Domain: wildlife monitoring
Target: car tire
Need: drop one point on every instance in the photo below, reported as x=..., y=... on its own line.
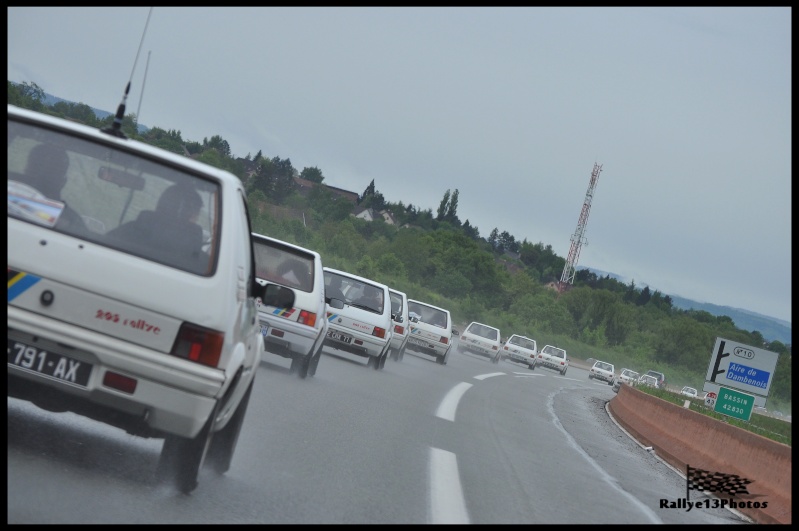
x=590, y=376
x=610, y=382
x=300, y=365
x=563, y=372
x=531, y=366
x=223, y=443
x=182, y=457
x=315, y=360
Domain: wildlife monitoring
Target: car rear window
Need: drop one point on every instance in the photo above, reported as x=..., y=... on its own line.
x=483, y=331
x=523, y=342
x=428, y=314
x=354, y=292
x=554, y=351
x=113, y=198
x=284, y=265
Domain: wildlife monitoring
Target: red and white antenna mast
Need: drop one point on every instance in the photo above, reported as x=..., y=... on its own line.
x=578, y=238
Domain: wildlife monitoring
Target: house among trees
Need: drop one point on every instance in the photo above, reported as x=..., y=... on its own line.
x=366, y=214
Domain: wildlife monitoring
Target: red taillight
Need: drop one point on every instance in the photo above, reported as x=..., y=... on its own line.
x=495, y=347
x=379, y=332
x=307, y=318
x=444, y=339
x=198, y=344
x=399, y=329
x=505, y=347
x=119, y=382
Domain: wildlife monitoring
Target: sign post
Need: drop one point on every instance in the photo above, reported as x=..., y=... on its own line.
x=734, y=404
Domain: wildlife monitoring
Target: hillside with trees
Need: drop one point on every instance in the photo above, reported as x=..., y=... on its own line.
x=434, y=256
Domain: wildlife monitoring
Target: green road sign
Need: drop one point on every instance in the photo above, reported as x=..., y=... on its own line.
x=734, y=404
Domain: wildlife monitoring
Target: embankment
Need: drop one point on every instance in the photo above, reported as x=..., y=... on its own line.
x=683, y=437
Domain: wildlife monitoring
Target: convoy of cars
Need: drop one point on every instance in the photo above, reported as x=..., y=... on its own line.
x=132, y=297
x=553, y=358
x=521, y=350
x=481, y=339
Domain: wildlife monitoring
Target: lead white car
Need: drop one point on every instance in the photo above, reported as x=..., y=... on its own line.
x=151, y=328
x=358, y=315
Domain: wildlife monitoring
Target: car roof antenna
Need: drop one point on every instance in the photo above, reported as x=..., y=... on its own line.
x=115, y=129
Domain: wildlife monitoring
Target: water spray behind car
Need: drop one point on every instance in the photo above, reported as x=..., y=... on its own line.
x=115, y=129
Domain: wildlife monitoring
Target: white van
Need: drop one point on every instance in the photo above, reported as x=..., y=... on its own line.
x=481, y=339
x=294, y=331
x=430, y=330
x=399, y=314
x=131, y=289
x=358, y=316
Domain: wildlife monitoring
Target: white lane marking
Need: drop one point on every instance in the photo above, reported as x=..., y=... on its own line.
x=446, y=495
x=526, y=374
x=610, y=480
x=489, y=375
x=446, y=410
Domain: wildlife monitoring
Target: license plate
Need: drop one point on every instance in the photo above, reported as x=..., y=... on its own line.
x=417, y=341
x=338, y=336
x=50, y=364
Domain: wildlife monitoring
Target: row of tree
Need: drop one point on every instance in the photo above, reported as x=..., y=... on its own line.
x=436, y=258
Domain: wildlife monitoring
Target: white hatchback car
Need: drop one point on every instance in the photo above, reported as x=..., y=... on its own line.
x=520, y=349
x=602, y=370
x=553, y=358
x=131, y=289
x=430, y=330
x=690, y=392
x=292, y=318
x=399, y=315
x=628, y=376
x=362, y=325
x=481, y=339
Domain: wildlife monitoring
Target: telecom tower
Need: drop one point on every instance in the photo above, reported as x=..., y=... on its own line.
x=578, y=238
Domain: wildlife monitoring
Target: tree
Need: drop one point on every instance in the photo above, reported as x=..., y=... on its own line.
x=442, y=207
x=312, y=174
x=452, y=209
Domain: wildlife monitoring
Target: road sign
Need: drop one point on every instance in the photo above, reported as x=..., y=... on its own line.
x=743, y=367
x=710, y=399
x=734, y=404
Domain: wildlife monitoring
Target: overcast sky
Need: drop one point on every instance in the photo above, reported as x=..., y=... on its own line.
x=687, y=110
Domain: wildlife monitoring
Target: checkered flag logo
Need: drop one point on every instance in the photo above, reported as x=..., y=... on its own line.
x=705, y=481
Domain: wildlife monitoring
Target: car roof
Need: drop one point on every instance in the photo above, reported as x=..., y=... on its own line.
x=428, y=304
x=356, y=277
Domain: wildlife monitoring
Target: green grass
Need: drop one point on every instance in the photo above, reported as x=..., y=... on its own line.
x=771, y=428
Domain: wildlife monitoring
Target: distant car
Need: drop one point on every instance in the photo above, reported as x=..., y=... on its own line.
x=298, y=331
x=481, y=339
x=602, y=370
x=521, y=350
x=659, y=376
x=553, y=358
x=648, y=381
x=628, y=376
x=399, y=316
x=358, y=316
x=429, y=330
x=689, y=392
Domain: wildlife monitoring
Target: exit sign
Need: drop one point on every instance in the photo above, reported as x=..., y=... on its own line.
x=734, y=404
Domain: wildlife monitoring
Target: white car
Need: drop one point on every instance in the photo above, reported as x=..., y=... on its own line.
x=602, y=370
x=481, y=339
x=358, y=316
x=119, y=308
x=554, y=358
x=521, y=350
x=648, y=381
x=430, y=330
x=628, y=376
x=399, y=315
x=689, y=392
x=292, y=314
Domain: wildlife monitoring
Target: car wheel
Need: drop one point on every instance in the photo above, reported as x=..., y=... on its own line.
x=223, y=443
x=384, y=359
x=531, y=366
x=590, y=376
x=300, y=364
x=563, y=372
x=315, y=361
x=182, y=457
x=610, y=382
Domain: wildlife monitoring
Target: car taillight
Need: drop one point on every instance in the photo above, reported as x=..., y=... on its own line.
x=505, y=347
x=399, y=329
x=444, y=339
x=307, y=318
x=198, y=344
x=379, y=332
x=495, y=347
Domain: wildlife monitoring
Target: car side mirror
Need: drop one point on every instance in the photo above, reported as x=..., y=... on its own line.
x=455, y=332
x=413, y=319
x=278, y=296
